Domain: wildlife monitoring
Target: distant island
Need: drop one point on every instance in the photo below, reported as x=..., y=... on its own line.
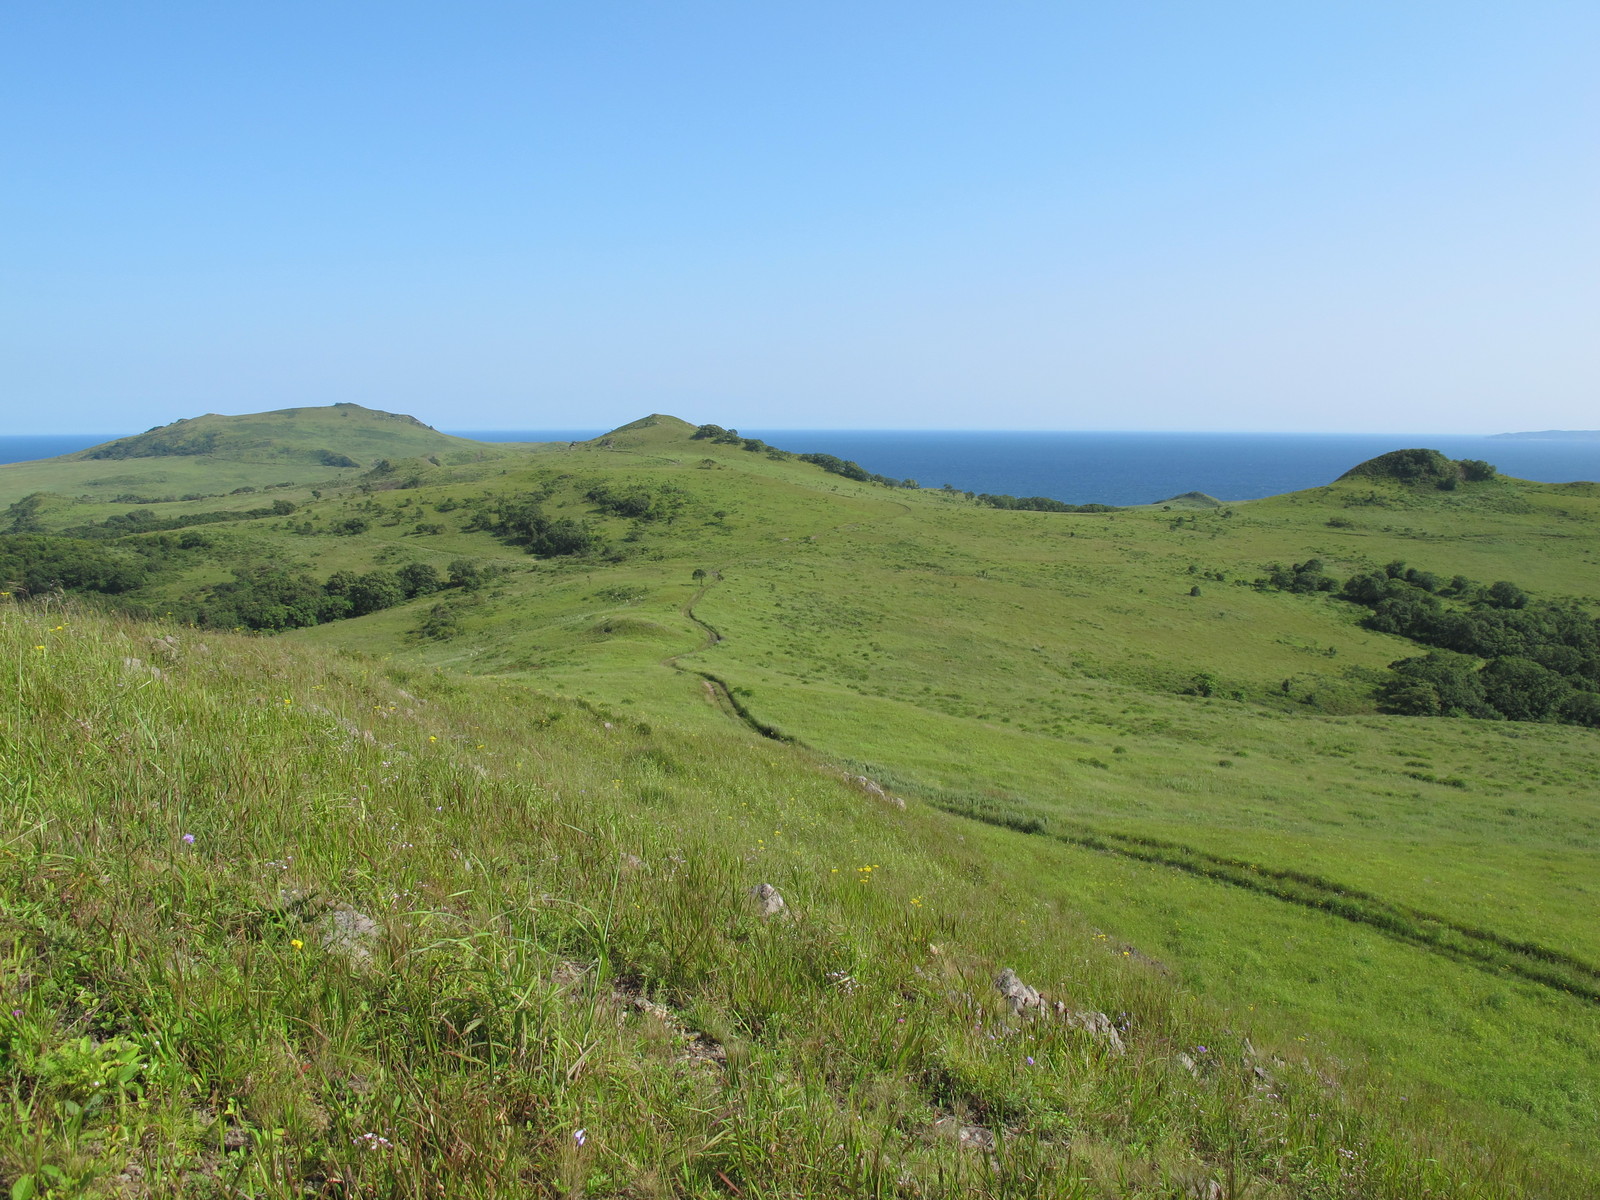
x=1554, y=435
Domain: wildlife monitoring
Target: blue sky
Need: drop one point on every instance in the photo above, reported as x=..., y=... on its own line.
x=1225, y=216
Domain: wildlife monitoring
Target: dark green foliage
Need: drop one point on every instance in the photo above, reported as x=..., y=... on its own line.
x=33, y=564
x=466, y=575
x=419, y=579
x=522, y=522
x=1543, y=658
x=1522, y=690
x=24, y=514
x=717, y=434
x=1502, y=594
x=374, y=591
x=1422, y=468
x=638, y=503
x=835, y=465
x=1040, y=504
x=439, y=625
x=141, y=521
x=161, y=442
x=1301, y=577
x=1439, y=684
x=271, y=599
x=267, y=598
x=331, y=458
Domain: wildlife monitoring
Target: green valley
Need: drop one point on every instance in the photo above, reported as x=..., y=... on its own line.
x=552, y=710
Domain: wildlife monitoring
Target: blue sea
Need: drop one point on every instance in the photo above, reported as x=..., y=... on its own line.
x=1083, y=468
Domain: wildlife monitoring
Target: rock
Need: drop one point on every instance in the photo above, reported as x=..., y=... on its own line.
x=876, y=790
x=1023, y=998
x=768, y=899
x=1019, y=995
x=351, y=933
x=1096, y=1023
x=968, y=1137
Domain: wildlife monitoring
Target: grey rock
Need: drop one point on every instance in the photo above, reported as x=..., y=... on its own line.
x=351, y=933
x=1019, y=995
x=968, y=1137
x=768, y=899
x=1096, y=1023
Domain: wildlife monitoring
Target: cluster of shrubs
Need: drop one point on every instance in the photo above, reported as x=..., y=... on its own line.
x=1496, y=653
x=271, y=598
x=521, y=521
x=662, y=503
x=717, y=435
x=38, y=564
x=835, y=465
x=1423, y=468
x=1039, y=504
x=120, y=524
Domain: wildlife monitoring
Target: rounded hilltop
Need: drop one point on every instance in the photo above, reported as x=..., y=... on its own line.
x=1421, y=468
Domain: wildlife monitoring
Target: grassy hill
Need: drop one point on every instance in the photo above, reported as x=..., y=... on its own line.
x=1115, y=744
x=211, y=456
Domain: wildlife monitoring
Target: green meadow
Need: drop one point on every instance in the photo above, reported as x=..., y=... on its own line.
x=1153, y=786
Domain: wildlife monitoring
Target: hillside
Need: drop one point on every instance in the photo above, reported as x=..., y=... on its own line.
x=431, y=936
x=212, y=456
x=1157, y=725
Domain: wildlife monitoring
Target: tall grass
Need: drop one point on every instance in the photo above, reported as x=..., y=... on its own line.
x=281, y=924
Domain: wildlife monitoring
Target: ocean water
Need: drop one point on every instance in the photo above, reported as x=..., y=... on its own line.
x=1083, y=468
x=48, y=445
x=1140, y=468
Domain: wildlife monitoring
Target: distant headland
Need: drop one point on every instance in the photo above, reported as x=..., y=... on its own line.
x=1554, y=435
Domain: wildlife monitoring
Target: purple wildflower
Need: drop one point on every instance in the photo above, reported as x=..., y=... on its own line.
x=188, y=839
x=580, y=1136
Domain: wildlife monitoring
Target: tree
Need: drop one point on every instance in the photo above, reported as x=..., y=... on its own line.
x=419, y=579
x=466, y=575
x=374, y=591
x=1504, y=594
x=1522, y=690
x=1436, y=684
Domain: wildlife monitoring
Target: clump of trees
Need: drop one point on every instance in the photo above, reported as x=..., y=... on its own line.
x=843, y=467
x=731, y=437
x=143, y=521
x=270, y=599
x=1040, y=504
x=521, y=521
x=1495, y=651
x=662, y=503
x=1423, y=468
x=33, y=564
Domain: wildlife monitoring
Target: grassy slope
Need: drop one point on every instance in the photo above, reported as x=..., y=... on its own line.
x=557, y=898
x=1029, y=662
x=258, y=450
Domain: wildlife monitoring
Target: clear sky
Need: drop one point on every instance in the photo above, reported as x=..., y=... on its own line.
x=1284, y=215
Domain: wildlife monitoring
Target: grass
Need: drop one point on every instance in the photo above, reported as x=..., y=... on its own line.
x=561, y=939
x=1411, y=897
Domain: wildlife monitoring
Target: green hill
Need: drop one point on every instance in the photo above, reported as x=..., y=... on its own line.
x=1173, y=732
x=214, y=455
